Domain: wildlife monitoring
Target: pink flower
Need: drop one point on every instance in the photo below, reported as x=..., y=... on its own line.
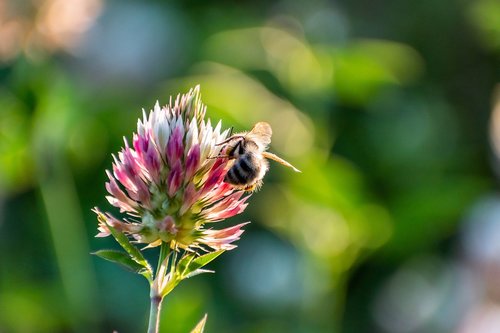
x=168, y=182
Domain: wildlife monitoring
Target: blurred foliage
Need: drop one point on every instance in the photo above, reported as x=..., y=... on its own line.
x=383, y=106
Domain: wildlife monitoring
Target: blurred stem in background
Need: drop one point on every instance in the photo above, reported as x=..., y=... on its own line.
x=61, y=203
x=71, y=249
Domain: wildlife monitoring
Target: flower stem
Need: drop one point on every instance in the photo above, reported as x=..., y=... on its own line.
x=157, y=295
x=154, y=314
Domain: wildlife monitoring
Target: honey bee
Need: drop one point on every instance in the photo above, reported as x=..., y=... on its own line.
x=248, y=149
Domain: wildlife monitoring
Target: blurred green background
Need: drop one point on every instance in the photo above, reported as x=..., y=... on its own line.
x=390, y=108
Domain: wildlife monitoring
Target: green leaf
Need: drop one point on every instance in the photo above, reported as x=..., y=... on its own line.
x=198, y=262
x=134, y=253
x=120, y=258
x=200, y=327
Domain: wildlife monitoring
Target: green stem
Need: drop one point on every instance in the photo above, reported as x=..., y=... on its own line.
x=154, y=314
x=155, y=294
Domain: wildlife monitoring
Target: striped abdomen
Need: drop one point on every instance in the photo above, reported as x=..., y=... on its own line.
x=247, y=169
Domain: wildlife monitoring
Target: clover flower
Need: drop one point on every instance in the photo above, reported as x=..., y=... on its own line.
x=170, y=184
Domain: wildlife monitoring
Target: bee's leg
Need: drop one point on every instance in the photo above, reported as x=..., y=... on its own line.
x=222, y=156
x=218, y=156
x=234, y=137
x=250, y=188
x=254, y=187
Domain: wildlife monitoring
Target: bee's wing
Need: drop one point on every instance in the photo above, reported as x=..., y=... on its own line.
x=271, y=156
x=262, y=133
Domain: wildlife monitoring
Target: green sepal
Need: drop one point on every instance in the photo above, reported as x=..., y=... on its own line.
x=164, y=253
x=198, y=272
x=170, y=286
x=188, y=266
x=200, y=327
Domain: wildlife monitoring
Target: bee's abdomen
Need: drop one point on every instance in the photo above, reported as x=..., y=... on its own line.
x=244, y=170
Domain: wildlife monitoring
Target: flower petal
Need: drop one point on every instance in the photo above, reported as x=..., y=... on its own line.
x=222, y=239
x=175, y=178
x=175, y=148
x=192, y=161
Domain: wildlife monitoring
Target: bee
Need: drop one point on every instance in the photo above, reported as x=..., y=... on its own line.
x=248, y=149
